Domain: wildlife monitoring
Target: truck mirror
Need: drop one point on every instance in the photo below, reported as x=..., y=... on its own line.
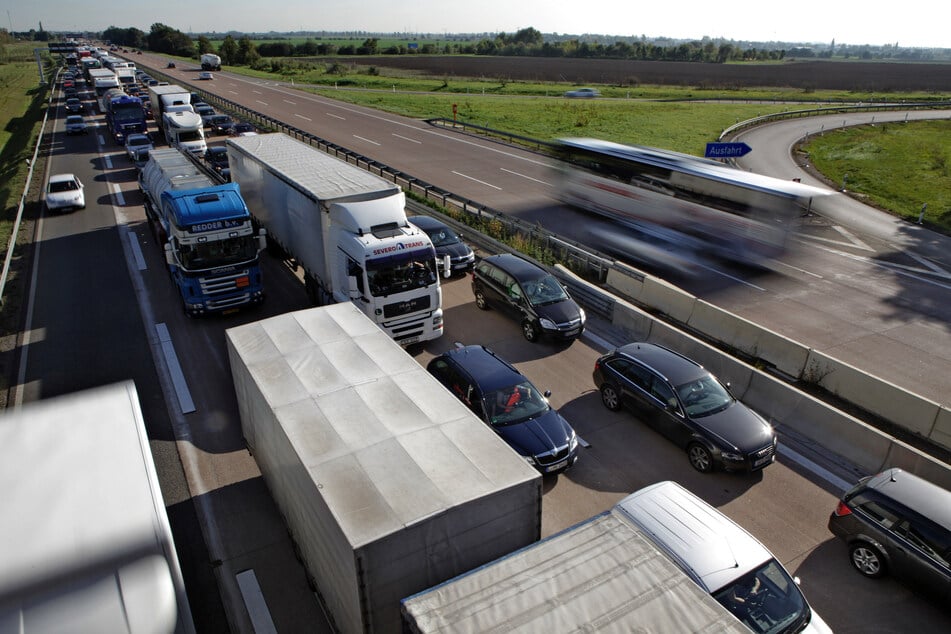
x=262, y=239
x=446, y=266
x=169, y=254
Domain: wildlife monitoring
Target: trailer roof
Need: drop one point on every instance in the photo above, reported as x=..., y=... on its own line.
x=386, y=444
x=317, y=174
x=601, y=575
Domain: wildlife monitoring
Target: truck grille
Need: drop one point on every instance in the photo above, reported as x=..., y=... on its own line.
x=406, y=307
x=229, y=283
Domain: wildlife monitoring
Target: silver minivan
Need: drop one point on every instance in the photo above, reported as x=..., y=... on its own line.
x=722, y=558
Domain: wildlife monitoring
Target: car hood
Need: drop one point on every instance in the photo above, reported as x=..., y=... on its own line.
x=537, y=435
x=454, y=250
x=738, y=426
x=559, y=312
x=61, y=198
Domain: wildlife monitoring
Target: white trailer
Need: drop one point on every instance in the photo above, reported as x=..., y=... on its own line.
x=210, y=61
x=602, y=575
x=347, y=228
x=388, y=483
x=85, y=543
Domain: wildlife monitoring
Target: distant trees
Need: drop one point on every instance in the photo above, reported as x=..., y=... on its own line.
x=131, y=37
x=165, y=39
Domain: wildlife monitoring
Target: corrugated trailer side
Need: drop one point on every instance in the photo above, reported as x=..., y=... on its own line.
x=387, y=482
x=601, y=576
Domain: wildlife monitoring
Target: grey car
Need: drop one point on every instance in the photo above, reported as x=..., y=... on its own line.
x=900, y=524
x=688, y=405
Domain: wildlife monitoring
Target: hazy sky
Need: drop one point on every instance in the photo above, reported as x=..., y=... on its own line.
x=910, y=23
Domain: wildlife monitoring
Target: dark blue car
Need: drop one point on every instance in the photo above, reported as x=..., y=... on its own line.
x=508, y=402
x=446, y=242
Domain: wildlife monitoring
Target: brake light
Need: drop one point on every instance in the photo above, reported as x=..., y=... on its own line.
x=842, y=509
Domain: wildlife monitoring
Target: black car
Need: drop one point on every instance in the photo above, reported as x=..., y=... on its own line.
x=687, y=404
x=447, y=242
x=217, y=159
x=896, y=523
x=221, y=124
x=241, y=127
x=74, y=105
x=508, y=402
x=529, y=294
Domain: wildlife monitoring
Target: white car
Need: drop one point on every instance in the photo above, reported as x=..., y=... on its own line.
x=583, y=93
x=75, y=124
x=64, y=191
x=205, y=75
x=135, y=143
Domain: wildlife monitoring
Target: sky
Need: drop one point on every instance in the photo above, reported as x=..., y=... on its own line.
x=912, y=23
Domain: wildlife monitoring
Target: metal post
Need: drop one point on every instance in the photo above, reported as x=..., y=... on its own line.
x=921, y=215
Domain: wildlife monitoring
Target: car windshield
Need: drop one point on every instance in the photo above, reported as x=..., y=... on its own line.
x=443, y=236
x=704, y=396
x=63, y=186
x=74, y=119
x=545, y=290
x=140, y=140
x=766, y=600
x=514, y=404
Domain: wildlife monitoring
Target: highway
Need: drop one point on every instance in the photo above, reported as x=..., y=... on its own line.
x=102, y=309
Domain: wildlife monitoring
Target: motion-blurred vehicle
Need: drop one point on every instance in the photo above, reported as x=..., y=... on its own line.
x=205, y=75
x=582, y=93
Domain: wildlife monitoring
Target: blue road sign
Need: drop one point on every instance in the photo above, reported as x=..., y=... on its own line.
x=727, y=150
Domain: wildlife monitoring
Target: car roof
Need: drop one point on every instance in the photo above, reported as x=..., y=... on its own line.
x=519, y=268
x=62, y=178
x=484, y=367
x=74, y=117
x=674, y=366
x=427, y=222
x=702, y=540
x=918, y=494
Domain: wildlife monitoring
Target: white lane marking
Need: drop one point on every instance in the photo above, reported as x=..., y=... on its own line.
x=257, y=92
x=254, y=600
x=335, y=116
x=852, y=238
x=477, y=180
x=233, y=92
x=120, y=199
x=106, y=158
x=356, y=136
x=898, y=269
x=406, y=138
x=185, y=401
x=796, y=268
x=303, y=117
x=293, y=103
x=928, y=264
x=137, y=254
x=731, y=277
x=525, y=176
x=263, y=103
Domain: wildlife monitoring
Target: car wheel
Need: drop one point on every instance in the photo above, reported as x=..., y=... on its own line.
x=867, y=559
x=480, y=301
x=530, y=330
x=700, y=458
x=610, y=397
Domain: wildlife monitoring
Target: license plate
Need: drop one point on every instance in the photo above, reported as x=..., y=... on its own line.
x=762, y=461
x=408, y=341
x=557, y=466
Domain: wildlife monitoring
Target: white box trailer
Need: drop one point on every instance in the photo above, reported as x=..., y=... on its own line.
x=602, y=575
x=85, y=543
x=387, y=482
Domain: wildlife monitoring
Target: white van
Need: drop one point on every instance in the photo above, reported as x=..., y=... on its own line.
x=722, y=558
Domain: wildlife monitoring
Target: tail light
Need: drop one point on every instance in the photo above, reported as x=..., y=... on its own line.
x=842, y=509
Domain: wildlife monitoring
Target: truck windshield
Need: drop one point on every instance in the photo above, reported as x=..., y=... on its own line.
x=766, y=600
x=209, y=255
x=387, y=276
x=128, y=115
x=190, y=135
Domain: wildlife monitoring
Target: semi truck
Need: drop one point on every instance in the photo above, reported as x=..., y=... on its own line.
x=102, y=80
x=388, y=483
x=210, y=61
x=602, y=575
x=85, y=545
x=347, y=229
x=125, y=75
x=211, y=248
x=180, y=126
x=125, y=115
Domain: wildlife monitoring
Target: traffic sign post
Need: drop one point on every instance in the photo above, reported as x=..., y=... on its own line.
x=727, y=150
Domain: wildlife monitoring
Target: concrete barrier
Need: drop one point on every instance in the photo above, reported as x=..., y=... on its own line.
x=667, y=298
x=895, y=404
x=941, y=432
x=741, y=334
